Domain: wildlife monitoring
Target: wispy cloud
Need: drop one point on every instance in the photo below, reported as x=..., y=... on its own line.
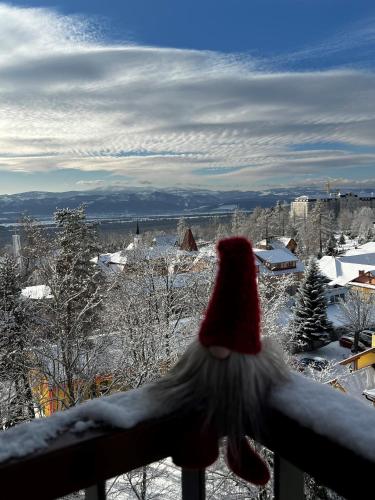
x=168, y=116
x=91, y=183
x=353, y=47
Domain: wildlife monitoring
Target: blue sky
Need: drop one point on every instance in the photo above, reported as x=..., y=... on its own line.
x=222, y=94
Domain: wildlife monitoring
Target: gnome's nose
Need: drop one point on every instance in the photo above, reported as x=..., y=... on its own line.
x=219, y=352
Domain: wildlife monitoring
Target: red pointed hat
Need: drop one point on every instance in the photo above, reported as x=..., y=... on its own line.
x=232, y=318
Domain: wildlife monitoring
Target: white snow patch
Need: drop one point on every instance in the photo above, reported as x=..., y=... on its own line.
x=37, y=292
x=329, y=413
x=276, y=256
x=333, y=352
x=123, y=410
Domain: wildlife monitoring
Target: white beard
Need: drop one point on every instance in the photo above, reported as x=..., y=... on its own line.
x=231, y=392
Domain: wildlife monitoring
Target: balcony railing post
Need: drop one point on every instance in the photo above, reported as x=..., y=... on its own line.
x=96, y=492
x=193, y=484
x=288, y=480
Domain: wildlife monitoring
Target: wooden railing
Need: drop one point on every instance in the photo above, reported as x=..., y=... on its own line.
x=74, y=462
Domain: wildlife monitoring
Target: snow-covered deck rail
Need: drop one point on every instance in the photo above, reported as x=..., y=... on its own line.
x=316, y=428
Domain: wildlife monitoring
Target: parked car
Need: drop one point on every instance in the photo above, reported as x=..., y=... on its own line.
x=348, y=341
x=366, y=337
x=313, y=362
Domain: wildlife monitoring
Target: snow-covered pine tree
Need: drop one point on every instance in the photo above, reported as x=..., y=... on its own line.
x=342, y=240
x=314, y=231
x=17, y=402
x=181, y=229
x=310, y=311
x=71, y=354
x=362, y=223
x=76, y=279
x=239, y=223
x=35, y=249
x=366, y=236
x=331, y=245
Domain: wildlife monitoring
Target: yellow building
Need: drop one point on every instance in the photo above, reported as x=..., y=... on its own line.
x=51, y=398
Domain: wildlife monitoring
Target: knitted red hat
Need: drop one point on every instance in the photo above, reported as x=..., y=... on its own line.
x=232, y=317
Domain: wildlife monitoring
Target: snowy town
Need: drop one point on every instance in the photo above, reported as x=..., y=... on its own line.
x=89, y=324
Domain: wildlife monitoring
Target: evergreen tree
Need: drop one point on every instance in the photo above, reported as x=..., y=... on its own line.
x=76, y=279
x=35, y=248
x=15, y=317
x=72, y=314
x=342, y=240
x=331, y=245
x=314, y=231
x=310, y=310
x=181, y=229
x=239, y=223
x=366, y=236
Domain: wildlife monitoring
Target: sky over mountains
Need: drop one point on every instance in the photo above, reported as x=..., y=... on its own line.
x=88, y=100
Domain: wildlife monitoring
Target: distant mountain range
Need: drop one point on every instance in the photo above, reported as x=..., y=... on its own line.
x=138, y=202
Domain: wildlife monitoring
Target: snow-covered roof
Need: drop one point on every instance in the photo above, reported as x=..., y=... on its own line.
x=165, y=240
x=277, y=256
x=159, y=252
x=118, y=258
x=208, y=251
x=36, y=292
x=300, y=267
x=345, y=268
x=281, y=242
x=284, y=240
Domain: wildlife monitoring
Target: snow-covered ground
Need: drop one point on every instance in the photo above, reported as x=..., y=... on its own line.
x=333, y=352
x=348, y=245
x=335, y=315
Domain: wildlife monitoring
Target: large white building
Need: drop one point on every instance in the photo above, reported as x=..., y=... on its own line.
x=335, y=202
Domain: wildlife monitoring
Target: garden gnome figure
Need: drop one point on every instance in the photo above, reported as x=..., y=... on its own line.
x=227, y=372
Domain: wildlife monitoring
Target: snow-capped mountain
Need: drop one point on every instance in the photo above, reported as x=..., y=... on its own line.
x=114, y=202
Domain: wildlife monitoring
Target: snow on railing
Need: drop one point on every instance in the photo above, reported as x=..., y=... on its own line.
x=313, y=428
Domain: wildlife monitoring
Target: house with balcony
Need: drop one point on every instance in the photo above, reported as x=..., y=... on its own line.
x=364, y=282
x=278, y=262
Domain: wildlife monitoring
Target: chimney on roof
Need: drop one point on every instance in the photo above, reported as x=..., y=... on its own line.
x=361, y=273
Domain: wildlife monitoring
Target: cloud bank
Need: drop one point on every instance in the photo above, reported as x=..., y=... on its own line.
x=168, y=116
